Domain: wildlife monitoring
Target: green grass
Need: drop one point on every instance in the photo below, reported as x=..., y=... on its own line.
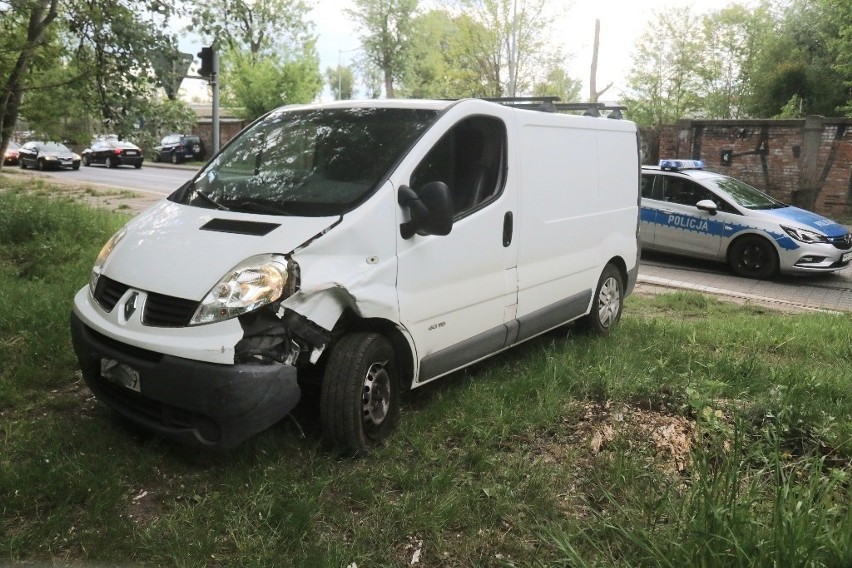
x=698, y=434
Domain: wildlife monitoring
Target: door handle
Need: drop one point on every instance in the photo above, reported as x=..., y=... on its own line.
x=507, y=228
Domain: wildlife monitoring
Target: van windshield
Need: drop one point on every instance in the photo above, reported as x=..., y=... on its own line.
x=312, y=162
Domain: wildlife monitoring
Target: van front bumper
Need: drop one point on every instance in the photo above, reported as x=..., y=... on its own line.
x=193, y=402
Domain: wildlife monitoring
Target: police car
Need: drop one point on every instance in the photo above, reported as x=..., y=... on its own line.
x=687, y=210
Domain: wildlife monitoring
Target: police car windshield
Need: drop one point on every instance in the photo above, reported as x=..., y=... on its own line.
x=745, y=195
x=310, y=162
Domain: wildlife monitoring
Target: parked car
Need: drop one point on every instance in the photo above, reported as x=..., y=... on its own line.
x=47, y=155
x=371, y=247
x=690, y=211
x=177, y=148
x=10, y=157
x=113, y=153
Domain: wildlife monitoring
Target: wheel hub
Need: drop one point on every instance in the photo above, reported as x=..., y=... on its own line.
x=375, y=398
x=608, y=302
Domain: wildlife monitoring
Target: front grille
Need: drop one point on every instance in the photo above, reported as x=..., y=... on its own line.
x=844, y=242
x=168, y=311
x=108, y=292
x=160, y=310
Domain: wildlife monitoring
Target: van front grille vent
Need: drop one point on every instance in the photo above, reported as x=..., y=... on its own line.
x=160, y=310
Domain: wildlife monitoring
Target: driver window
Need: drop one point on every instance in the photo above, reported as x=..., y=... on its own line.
x=470, y=159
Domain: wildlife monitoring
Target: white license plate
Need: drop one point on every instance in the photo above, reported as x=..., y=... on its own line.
x=846, y=257
x=120, y=374
x=131, y=153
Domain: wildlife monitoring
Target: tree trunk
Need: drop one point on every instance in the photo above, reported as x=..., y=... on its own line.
x=594, y=94
x=42, y=15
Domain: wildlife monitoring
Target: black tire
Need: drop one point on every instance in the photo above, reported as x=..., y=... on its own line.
x=22, y=164
x=753, y=257
x=40, y=165
x=137, y=166
x=75, y=167
x=359, y=401
x=175, y=159
x=87, y=161
x=607, y=303
x=109, y=162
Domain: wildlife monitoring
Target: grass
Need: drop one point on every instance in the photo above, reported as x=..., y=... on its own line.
x=698, y=434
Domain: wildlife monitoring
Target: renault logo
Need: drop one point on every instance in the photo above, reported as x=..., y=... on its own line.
x=130, y=305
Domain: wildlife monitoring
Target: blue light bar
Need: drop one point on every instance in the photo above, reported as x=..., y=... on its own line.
x=677, y=165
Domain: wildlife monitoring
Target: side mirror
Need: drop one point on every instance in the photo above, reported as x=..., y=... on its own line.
x=430, y=208
x=707, y=205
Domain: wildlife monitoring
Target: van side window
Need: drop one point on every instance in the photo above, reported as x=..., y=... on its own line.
x=470, y=159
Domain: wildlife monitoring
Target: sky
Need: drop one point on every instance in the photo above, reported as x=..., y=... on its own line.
x=622, y=24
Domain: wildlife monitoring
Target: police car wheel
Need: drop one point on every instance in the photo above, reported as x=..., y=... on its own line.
x=753, y=257
x=607, y=303
x=359, y=399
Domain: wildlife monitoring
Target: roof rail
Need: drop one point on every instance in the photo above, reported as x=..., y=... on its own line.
x=550, y=104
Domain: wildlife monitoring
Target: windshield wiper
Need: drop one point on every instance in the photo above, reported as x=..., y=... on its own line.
x=252, y=206
x=208, y=199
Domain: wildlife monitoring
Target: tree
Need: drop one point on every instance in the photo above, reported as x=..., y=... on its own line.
x=341, y=81
x=733, y=38
x=663, y=82
x=93, y=52
x=558, y=83
x=386, y=27
x=513, y=41
x=267, y=51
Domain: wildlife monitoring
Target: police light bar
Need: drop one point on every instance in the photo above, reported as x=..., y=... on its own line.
x=677, y=165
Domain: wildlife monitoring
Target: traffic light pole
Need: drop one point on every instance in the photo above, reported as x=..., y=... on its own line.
x=215, y=84
x=210, y=70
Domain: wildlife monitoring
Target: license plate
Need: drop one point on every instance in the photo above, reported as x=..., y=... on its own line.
x=120, y=374
x=131, y=153
x=846, y=257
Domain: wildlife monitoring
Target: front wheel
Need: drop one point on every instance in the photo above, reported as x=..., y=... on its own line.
x=110, y=163
x=607, y=302
x=753, y=257
x=87, y=161
x=175, y=159
x=359, y=402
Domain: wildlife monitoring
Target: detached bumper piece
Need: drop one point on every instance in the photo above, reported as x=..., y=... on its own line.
x=195, y=403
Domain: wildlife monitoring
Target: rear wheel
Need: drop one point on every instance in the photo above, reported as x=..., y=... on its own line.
x=175, y=159
x=607, y=303
x=87, y=160
x=753, y=257
x=359, y=402
x=40, y=164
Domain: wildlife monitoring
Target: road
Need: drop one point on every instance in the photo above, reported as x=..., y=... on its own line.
x=154, y=178
x=819, y=291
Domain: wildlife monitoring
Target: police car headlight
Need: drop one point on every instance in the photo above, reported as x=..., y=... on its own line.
x=255, y=282
x=805, y=236
x=102, y=258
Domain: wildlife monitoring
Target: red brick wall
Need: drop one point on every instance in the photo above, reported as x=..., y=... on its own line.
x=773, y=155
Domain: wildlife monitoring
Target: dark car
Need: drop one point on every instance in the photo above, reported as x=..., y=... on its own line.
x=47, y=155
x=177, y=148
x=10, y=157
x=113, y=153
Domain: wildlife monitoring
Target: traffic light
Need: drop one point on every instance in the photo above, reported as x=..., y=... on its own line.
x=206, y=56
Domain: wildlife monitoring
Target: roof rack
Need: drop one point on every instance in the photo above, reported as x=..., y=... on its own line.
x=550, y=104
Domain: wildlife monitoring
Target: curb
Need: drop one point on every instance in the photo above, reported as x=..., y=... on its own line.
x=676, y=284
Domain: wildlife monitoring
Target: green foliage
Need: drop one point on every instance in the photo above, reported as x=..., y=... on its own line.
x=341, y=81
x=258, y=85
x=663, y=83
x=386, y=28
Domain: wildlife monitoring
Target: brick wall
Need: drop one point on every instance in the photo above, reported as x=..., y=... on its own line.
x=805, y=162
x=228, y=128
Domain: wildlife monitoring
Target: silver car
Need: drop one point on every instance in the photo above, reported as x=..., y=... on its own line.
x=687, y=210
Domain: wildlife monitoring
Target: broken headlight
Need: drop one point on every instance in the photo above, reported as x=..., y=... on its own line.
x=255, y=282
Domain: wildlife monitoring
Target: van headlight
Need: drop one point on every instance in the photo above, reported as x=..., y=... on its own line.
x=805, y=236
x=253, y=283
x=102, y=258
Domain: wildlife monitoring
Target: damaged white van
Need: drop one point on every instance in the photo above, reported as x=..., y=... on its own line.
x=367, y=247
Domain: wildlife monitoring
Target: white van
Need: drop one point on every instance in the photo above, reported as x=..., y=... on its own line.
x=367, y=246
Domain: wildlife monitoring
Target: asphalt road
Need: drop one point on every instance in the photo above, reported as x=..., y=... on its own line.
x=162, y=179
x=819, y=291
